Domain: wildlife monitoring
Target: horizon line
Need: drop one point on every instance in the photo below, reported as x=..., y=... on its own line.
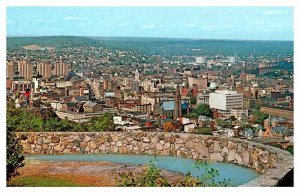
x=186, y=38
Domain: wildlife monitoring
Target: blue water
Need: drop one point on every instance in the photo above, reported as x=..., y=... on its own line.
x=237, y=174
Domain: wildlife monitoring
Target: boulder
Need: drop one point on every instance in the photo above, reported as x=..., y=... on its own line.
x=23, y=137
x=55, y=139
x=246, y=157
x=201, y=149
x=159, y=147
x=231, y=156
x=93, y=145
x=224, y=151
x=216, y=157
x=189, y=144
x=30, y=140
x=119, y=143
x=146, y=140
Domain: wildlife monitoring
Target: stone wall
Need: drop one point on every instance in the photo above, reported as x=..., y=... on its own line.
x=262, y=158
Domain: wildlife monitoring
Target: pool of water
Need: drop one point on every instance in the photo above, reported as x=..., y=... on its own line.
x=237, y=174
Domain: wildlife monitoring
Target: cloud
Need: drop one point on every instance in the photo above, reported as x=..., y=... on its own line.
x=216, y=27
x=273, y=12
x=74, y=18
x=148, y=26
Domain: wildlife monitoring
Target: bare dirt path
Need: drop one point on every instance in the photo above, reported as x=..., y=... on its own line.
x=82, y=173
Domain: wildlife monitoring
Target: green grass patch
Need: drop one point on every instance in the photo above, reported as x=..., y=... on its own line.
x=203, y=131
x=38, y=181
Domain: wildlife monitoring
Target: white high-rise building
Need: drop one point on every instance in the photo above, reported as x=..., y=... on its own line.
x=225, y=100
x=200, y=60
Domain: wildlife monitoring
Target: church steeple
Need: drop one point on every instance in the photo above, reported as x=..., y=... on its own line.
x=177, y=103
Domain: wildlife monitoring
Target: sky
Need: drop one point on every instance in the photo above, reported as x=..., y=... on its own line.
x=246, y=23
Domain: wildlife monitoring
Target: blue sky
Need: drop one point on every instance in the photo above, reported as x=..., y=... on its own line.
x=254, y=23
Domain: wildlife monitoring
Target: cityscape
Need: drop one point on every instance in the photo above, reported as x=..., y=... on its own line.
x=198, y=100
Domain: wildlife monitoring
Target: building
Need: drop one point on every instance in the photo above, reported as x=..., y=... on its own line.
x=202, y=98
x=135, y=85
x=10, y=70
x=44, y=70
x=23, y=85
x=200, y=60
x=177, y=103
x=61, y=69
x=25, y=69
x=225, y=100
x=92, y=107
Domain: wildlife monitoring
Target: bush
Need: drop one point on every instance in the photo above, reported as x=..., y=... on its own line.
x=14, y=157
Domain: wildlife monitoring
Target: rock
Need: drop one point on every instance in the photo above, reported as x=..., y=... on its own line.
x=46, y=140
x=93, y=145
x=216, y=157
x=231, y=145
x=23, y=137
x=140, y=135
x=178, y=140
x=122, y=150
x=107, y=144
x=167, y=145
x=159, y=147
x=76, y=143
x=83, y=144
x=162, y=142
x=239, y=148
x=45, y=146
x=119, y=143
x=238, y=158
x=246, y=157
x=263, y=158
x=101, y=141
x=55, y=139
x=182, y=154
x=172, y=139
x=57, y=148
x=201, y=149
x=39, y=140
x=87, y=139
x=189, y=144
x=224, y=151
x=217, y=148
x=146, y=140
x=231, y=156
x=114, y=137
x=254, y=155
x=30, y=140
x=154, y=139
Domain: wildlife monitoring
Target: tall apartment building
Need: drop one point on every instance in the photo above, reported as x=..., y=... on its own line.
x=225, y=100
x=61, y=69
x=44, y=70
x=25, y=69
x=10, y=70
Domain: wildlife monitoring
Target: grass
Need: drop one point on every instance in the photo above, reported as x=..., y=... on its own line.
x=203, y=131
x=42, y=181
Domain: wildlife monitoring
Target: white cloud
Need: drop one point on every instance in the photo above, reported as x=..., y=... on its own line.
x=74, y=18
x=216, y=27
x=273, y=12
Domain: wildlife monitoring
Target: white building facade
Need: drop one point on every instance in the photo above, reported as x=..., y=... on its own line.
x=225, y=100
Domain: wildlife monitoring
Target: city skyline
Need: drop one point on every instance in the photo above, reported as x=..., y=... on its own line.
x=157, y=22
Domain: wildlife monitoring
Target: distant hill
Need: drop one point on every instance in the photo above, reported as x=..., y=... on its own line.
x=49, y=41
x=161, y=46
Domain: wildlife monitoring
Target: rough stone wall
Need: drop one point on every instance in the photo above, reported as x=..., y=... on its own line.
x=190, y=146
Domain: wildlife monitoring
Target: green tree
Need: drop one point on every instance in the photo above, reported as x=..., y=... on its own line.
x=102, y=123
x=260, y=116
x=203, y=109
x=193, y=100
x=14, y=157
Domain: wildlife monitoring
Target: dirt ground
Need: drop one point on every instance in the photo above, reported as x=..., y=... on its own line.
x=104, y=174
